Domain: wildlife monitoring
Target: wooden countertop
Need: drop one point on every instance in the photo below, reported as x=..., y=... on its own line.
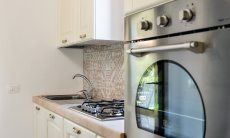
x=106, y=129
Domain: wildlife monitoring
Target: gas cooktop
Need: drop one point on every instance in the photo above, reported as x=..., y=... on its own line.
x=102, y=109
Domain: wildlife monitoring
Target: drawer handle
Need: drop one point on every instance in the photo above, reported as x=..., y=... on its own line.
x=64, y=41
x=77, y=131
x=83, y=36
x=37, y=108
x=52, y=116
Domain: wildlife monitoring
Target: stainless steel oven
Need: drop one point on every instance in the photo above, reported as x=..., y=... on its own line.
x=178, y=70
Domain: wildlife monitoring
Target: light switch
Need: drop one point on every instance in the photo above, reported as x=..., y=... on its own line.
x=13, y=88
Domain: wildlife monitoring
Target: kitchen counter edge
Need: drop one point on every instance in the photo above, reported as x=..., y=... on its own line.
x=106, y=129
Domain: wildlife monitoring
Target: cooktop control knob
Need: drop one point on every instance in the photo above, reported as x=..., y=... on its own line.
x=186, y=15
x=162, y=21
x=145, y=25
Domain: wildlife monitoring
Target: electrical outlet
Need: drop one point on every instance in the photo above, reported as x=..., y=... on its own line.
x=13, y=88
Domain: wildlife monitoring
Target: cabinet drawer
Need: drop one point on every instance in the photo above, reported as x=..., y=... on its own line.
x=73, y=129
x=54, y=118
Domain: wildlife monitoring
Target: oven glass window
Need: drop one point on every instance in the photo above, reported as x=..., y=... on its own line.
x=169, y=102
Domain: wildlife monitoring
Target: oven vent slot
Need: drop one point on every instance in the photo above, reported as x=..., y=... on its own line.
x=184, y=33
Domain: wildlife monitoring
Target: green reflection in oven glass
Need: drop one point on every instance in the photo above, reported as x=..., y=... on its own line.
x=147, y=95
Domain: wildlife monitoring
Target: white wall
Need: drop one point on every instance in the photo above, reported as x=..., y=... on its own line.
x=29, y=57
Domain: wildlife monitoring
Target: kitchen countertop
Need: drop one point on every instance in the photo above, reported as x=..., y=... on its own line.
x=106, y=129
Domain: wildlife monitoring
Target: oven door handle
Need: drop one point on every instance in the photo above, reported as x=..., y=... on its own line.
x=197, y=47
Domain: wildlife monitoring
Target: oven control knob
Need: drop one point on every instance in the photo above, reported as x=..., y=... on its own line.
x=186, y=15
x=145, y=25
x=162, y=21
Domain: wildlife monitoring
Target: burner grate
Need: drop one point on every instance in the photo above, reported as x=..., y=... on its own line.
x=103, y=109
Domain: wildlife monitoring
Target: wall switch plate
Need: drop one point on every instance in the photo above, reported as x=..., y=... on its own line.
x=13, y=88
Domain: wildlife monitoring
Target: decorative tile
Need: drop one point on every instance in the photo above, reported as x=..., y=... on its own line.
x=103, y=66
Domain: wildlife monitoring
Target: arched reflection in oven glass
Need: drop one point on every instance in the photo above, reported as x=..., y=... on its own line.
x=169, y=102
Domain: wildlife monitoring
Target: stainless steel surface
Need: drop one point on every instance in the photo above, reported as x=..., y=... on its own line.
x=197, y=47
x=210, y=69
x=87, y=93
x=207, y=13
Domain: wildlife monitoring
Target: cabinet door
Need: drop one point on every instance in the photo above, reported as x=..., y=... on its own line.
x=39, y=122
x=69, y=12
x=72, y=130
x=54, y=125
x=86, y=19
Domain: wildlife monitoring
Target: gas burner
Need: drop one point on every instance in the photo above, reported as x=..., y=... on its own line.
x=102, y=110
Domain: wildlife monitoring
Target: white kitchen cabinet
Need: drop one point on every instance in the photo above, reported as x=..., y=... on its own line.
x=69, y=26
x=39, y=122
x=72, y=130
x=132, y=6
x=50, y=125
x=47, y=124
x=86, y=20
x=90, y=22
x=54, y=125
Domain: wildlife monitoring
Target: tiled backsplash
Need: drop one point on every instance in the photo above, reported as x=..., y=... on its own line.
x=103, y=65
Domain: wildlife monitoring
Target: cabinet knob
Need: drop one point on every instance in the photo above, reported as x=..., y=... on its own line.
x=77, y=131
x=64, y=41
x=83, y=36
x=37, y=108
x=51, y=116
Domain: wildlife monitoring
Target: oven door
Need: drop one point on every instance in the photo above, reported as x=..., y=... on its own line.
x=176, y=91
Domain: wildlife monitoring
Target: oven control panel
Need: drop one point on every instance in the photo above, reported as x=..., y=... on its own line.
x=176, y=17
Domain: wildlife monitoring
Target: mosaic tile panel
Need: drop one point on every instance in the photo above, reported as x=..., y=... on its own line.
x=103, y=65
